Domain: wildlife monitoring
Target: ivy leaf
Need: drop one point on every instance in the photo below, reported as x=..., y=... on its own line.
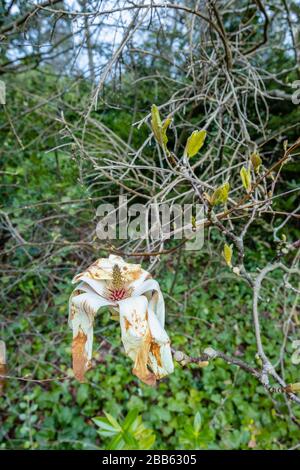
x=246, y=178
x=227, y=253
x=220, y=195
x=194, y=143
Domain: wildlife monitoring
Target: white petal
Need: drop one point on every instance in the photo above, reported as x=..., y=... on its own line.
x=142, y=318
x=84, y=287
x=157, y=300
x=136, y=336
x=160, y=356
x=114, y=259
x=97, y=285
x=157, y=331
x=82, y=309
x=133, y=321
x=136, y=284
x=90, y=303
x=144, y=339
x=102, y=269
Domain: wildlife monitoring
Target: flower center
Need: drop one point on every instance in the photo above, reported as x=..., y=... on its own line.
x=117, y=289
x=117, y=294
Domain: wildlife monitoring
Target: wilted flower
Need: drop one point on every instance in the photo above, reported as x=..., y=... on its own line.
x=137, y=300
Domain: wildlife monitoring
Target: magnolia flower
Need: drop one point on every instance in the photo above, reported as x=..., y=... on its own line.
x=137, y=301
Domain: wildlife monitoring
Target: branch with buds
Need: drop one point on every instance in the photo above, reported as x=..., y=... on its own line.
x=210, y=354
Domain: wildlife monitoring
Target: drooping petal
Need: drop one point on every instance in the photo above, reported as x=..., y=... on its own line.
x=96, y=285
x=137, y=283
x=82, y=310
x=81, y=363
x=156, y=299
x=145, y=340
x=136, y=336
x=160, y=356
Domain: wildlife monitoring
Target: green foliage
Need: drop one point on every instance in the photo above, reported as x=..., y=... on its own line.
x=233, y=406
x=130, y=434
x=219, y=407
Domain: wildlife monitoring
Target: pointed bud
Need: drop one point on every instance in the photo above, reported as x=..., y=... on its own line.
x=227, y=254
x=294, y=388
x=220, y=195
x=256, y=161
x=246, y=178
x=194, y=143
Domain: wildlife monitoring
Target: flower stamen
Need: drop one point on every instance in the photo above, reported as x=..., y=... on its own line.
x=117, y=289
